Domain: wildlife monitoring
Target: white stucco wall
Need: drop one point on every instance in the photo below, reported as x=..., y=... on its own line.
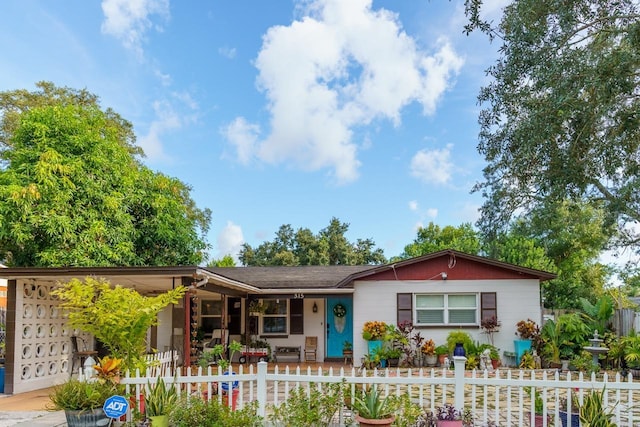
x=516, y=300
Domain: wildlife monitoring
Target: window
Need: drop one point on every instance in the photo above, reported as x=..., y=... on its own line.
x=274, y=319
x=446, y=309
x=211, y=316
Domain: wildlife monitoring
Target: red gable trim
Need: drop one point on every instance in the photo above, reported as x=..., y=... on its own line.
x=456, y=265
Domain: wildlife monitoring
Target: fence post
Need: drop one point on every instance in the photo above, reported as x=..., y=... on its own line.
x=261, y=388
x=458, y=363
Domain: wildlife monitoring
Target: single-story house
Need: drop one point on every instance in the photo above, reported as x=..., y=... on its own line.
x=438, y=292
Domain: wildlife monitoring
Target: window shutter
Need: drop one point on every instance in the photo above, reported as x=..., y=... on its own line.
x=296, y=316
x=405, y=308
x=488, y=305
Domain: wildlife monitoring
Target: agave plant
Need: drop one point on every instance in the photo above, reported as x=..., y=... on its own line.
x=371, y=405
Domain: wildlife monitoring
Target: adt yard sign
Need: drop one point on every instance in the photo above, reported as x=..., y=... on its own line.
x=115, y=406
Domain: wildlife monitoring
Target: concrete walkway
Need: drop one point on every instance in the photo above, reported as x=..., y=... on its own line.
x=29, y=409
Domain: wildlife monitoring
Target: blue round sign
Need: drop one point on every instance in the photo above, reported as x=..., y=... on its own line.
x=115, y=406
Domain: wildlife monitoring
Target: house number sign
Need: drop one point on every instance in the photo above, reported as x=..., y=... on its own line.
x=298, y=296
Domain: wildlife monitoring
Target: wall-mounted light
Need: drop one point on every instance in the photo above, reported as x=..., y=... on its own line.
x=315, y=307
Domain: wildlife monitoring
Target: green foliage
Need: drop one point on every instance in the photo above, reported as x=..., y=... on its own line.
x=561, y=101
x=564, y=337
x=217, y=355
x=631, y=349
x=463, y=337
x=194, y=412
x=119, y=317
x=600, y=313
x=309, y=408
x=73, y=192
x=527, y=361
x=432, y=238
x=302, y=247
x=75, y=395
x=225, y=261
x=160, y=398
x=593, y=413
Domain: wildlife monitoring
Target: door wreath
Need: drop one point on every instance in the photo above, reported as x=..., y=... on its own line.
x=339, y=317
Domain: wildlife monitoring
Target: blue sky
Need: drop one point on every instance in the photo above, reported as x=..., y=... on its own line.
x=279, y=112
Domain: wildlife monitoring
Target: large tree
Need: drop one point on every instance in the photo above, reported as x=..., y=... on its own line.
x=434, y=238
x=302, y=247
x=561, y=113
x=74, y=193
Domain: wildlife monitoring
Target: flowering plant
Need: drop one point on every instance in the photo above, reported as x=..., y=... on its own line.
x=527, y=329
x=429, y=347
x=374, y=330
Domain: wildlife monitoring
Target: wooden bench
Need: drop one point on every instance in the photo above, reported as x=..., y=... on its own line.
x=283, y=351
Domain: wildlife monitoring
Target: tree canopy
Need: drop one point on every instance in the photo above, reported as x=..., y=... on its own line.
x=302, y=247
x=560, y=118
x=74, y=193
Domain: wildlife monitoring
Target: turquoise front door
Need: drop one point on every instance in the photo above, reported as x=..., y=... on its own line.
x=339, y=321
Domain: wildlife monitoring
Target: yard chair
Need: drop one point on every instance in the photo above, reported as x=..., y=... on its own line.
x=79, y=354
x=310, y=349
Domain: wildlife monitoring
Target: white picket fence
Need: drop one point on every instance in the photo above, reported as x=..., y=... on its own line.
x=503, y=397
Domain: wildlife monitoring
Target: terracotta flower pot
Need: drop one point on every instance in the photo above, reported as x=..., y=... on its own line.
x=444, y=423
x=364, y=422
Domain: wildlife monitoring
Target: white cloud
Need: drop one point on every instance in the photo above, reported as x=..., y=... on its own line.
x=167, y=118
x=341, y=66
x=230, y=241
x=244, y=137
x=431, y=213
x=413, y=205
x=432, y=166
x=227, y=52
x=128, y=20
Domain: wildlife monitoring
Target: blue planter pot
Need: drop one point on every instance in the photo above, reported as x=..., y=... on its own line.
x=373, y=345
x=459, y=350
x=521, y=346
x=573, y=422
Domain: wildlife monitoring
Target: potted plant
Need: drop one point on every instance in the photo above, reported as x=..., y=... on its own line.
x=373, y=332
x=526, y=330
x=347, y=351
x=538, y=405
x=256, y=308
x=82, y=401
x=217, y=356
x=459, y=339
x=372, y=408
x=441, y=351
x=571, y=419
x=449, y=416
x=159, y=399
x=429, y=351
x=393, y=356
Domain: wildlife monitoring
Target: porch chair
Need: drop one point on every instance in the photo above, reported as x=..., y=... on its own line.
x=310, y=349
x=79, y=353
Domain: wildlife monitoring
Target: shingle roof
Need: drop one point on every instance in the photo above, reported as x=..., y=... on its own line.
x=312, y=276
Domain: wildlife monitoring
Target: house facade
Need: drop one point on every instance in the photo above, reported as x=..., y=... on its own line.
x=437, y=292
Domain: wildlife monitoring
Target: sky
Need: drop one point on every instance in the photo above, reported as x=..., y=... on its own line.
x=281, y=111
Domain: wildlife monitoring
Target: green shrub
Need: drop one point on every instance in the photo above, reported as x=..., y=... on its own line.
x=75, y=395
x=196, y=412
x=309, y=408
